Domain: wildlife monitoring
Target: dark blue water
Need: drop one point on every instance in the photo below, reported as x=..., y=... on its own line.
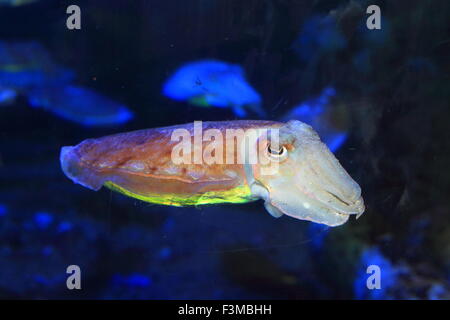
x=387, y=121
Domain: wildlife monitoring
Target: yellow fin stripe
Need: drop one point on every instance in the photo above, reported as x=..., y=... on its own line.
x=240, y=194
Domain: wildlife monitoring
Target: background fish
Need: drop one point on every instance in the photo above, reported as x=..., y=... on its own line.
x=27, y=68
x=25, y=65
x=214, y=83
x=80, y=104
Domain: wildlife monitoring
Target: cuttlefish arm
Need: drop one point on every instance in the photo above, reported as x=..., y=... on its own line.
x=309, y=183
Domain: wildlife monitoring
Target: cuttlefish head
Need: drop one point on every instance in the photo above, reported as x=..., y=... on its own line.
x=300, y=177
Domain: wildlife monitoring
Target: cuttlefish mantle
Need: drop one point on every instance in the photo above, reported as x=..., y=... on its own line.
x=309, y=183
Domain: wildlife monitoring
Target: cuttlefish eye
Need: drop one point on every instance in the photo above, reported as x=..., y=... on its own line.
x=277, y=153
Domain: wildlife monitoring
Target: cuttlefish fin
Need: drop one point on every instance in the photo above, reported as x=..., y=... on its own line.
x=70, y=164
x=261, y=192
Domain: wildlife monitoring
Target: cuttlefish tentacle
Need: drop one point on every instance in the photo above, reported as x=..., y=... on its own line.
x=309, y=183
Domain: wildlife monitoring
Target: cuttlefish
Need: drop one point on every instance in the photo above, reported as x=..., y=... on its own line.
x=309, y=183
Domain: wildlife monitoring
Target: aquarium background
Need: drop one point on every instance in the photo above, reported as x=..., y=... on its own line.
x=390, y=107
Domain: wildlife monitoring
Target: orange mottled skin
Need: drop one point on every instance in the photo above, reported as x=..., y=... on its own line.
x=140, y=161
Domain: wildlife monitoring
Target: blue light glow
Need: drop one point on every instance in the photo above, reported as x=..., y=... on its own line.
x=43, y=219
x=3, y=210
x=317, y=234
x=64, y=227
x=32, y=78
x=334, y=140
x=436, y=292
x=7, y=96
x=132, y=280
x=315, y=112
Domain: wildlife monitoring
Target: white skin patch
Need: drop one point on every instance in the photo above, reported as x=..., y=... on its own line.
x=195, y=175
x=231, y=174
x=136, y=166
x=106, y=164
x=172, y=170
